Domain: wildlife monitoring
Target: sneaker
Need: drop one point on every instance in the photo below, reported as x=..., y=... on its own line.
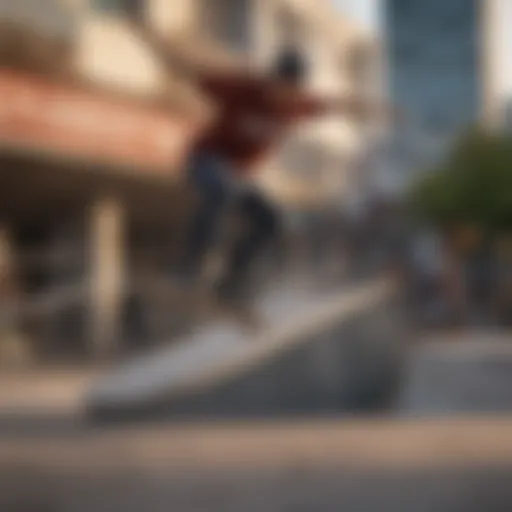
x=242, y=313
x=234, y=289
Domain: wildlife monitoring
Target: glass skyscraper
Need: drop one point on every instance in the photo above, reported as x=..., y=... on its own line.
x=434, y=72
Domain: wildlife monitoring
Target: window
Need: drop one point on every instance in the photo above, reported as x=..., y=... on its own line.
x=303, y=160
x=228, y=21
x=362, y=66
x=133, y=8
x=290, y=27
x=407, y=53
x=436, y=122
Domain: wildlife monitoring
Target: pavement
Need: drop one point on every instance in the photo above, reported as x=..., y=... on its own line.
x=52, y=460
x=420, y=466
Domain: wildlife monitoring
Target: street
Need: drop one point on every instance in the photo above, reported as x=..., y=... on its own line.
x=462, y=465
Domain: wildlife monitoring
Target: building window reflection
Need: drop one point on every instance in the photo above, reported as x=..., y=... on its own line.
x=134, y=8
x=227, y=21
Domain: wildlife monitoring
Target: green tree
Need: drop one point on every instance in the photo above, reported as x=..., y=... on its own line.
x=472, y=186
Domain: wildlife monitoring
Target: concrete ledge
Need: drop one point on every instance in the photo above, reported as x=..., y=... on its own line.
x=314, y=354
x=469, y=373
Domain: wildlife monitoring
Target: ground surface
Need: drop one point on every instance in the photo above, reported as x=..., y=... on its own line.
x=220, y=349
x=461, y=466
x=52, y=460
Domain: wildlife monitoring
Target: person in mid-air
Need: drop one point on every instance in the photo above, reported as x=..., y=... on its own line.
x=253, y=115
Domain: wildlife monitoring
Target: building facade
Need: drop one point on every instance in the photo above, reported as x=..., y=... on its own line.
x=437, y=76
x=90, y=173
x=90, y=145
x=314, y=164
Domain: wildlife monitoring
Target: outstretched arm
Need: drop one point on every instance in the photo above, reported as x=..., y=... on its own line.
x=290, y=102
x=302, y=104
x=294, y=102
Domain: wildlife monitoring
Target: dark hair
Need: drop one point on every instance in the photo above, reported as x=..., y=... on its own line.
x=290, y=66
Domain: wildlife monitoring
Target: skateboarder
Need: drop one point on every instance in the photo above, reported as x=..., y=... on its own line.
x=254, y=114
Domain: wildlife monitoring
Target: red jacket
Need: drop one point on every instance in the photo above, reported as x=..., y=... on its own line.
x=253, y=114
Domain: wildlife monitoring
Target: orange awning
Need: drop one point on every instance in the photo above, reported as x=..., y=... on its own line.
x=37, y=113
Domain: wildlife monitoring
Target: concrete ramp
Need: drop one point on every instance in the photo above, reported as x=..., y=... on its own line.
x=468, y=373
x=311, y=356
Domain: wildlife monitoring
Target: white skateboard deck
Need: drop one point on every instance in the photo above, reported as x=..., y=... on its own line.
x=223, y=349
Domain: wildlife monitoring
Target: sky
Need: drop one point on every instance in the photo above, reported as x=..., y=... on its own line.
x=364, y=10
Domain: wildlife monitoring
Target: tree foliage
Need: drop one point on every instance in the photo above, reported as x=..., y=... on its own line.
x=472, y=186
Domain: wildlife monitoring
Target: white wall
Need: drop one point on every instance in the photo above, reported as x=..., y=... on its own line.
x=337, y=136
x=110, y=53
x=497, y=48
x=170, y=16
x=106, y=50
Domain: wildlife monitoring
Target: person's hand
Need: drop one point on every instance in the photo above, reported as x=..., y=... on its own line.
x=366, y=110
x=283, y=95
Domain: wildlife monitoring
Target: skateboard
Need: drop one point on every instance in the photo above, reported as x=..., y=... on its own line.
x=206, y=305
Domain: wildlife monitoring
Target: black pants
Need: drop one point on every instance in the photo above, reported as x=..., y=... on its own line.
x=217, y=197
